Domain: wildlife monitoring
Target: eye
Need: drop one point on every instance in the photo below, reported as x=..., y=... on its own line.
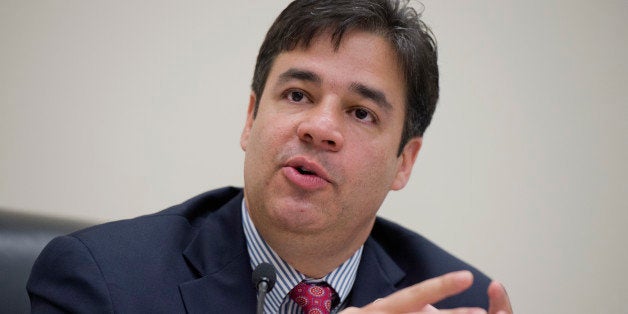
x=295, y=96
x=363, y=115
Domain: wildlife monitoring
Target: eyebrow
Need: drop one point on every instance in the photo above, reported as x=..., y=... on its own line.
x=373, y=94
x=301, y=75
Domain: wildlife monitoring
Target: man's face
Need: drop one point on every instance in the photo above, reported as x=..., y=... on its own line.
x=321, y=154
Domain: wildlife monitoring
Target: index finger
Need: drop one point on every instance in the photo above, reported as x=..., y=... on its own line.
x=498, y=299
x=415, y=297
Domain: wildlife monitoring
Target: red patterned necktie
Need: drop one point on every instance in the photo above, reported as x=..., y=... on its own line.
x=313, y=298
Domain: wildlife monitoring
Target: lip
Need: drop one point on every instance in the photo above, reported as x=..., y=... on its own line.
x=317, y=180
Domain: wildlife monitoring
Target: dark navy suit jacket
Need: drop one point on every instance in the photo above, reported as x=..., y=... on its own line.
x=192, y=258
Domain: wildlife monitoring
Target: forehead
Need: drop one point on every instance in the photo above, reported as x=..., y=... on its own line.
x=361, y=57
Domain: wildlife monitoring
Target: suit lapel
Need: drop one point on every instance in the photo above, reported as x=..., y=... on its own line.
x=377, y=275
x=219, y=256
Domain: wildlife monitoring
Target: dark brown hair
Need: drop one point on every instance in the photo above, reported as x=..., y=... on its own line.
x=394, y=20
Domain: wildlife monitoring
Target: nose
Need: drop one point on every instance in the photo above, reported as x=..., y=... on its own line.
x=321, y=128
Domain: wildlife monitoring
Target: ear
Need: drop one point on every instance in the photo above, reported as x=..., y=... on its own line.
x=406, y=162
x=246, y=132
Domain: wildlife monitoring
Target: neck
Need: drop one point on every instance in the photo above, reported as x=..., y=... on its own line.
x=313, y=254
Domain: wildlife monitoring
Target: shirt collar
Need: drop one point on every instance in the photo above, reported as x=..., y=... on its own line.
x=341, y=278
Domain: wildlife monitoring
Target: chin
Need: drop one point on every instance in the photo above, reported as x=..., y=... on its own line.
x=299, y=218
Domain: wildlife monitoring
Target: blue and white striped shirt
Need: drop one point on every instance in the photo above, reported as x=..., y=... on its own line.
x=277, y=300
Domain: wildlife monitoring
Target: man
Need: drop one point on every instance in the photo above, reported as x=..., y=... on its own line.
x=342, y=93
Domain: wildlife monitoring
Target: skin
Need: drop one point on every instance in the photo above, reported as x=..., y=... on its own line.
x=314, y=108
x=338, y=113
x=417, y=298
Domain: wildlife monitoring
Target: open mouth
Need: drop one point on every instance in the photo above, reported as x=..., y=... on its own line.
x=306, y=173
x=303, y=170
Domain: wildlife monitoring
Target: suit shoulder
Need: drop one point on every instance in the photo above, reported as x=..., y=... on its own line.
x=54, y=282
x=169, y=229
x=189, y=214
x=421, y=259
x=404, y=244
x=134, y=264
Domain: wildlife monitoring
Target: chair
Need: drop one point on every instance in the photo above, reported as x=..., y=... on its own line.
x=22, y=237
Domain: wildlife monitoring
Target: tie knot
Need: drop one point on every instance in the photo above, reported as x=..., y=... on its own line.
x=314, y=298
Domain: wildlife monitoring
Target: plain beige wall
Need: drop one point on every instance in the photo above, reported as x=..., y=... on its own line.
x=115, y=109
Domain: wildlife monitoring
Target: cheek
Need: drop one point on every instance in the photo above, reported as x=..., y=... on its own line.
x=262, y=132
x=268, y=138
x=373, y=166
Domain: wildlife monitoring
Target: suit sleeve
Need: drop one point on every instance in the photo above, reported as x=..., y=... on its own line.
x=66, y=279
